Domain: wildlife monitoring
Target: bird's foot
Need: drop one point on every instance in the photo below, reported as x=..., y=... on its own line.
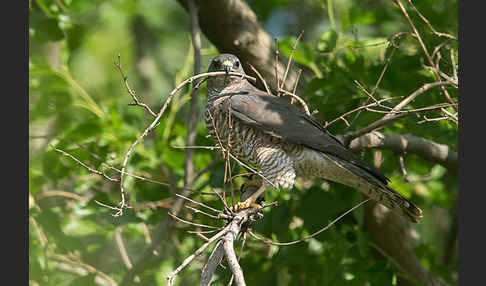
x=246, y=204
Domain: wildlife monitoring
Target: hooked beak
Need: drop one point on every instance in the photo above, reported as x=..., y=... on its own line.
x=227, y=66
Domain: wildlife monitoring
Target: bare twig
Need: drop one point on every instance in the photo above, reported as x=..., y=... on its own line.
x=198, y=203
x=269, y=241
x=341, y=117
x=276, y=65
x=299, y=72
x=290, y=60
x=432, y=119
x=450, y=115
x=261, y=79
x=223, y=150
x=429, y=25
x=131, y=91
x=192, y=223
x=171, y=276
x=370, y=95
x=300, y=100
x=387, y=119
x=202, y=212
x=86, y=166
x=416, y=93
x=424, y=49
x=154, y=123
x=391, y=42
x=390, y=114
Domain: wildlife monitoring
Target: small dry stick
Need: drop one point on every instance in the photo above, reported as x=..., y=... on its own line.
x=131, y=91
x=295, y=85
x=261, y=79
x=154, y=124
x=86, y=166
x=341, y=117
x=427, y=108
x=190, y=258
x=269, y=241
x=198, y=203
x=418, y=92
x=300, y=100
x=450, y=115
x=387, y=119
x=158, y=182
x=429, y=25
x=424, y=49
x=276, y=65
x=227, y=169
x=202, y=212
x=391, y=42
x=294, y=47
x=431, y=119
x=191, y=223
x=225, y=155
x=233, y=263
x=201, y=231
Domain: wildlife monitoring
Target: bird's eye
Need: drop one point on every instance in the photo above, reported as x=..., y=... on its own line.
x=216, y=63
x=237, y=64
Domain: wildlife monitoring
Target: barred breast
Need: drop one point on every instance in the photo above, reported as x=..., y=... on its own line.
x=251, y=146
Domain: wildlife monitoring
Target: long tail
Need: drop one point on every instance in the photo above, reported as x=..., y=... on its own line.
x=402, y=205
x=379, y=191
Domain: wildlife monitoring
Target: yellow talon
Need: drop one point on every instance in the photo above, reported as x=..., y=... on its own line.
x=246, y=204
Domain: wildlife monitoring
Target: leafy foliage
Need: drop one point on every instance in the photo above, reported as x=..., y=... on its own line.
x=78, y=104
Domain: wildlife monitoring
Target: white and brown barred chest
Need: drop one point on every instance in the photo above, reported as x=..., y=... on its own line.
x=279, y=161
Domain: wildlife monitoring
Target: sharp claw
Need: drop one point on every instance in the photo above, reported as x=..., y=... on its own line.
x=244, y=205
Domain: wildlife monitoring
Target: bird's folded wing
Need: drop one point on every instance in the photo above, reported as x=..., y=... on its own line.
x=274, y=116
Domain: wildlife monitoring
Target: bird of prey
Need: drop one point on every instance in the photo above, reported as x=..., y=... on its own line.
x=283, y=142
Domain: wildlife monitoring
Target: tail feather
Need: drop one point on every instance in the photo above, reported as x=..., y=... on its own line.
x=404, y=206
x=375, y=188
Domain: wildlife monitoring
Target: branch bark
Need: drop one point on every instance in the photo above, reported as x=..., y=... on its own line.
x=392, y=235
x=427, y=149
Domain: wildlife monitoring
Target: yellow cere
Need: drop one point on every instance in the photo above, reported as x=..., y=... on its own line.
x=227, y=63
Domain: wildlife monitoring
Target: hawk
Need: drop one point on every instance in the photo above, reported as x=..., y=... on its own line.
x=283, y=142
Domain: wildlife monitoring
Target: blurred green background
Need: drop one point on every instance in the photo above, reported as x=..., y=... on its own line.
x=78, y=103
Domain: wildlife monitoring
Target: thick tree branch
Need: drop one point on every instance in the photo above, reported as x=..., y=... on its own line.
x=427, y=149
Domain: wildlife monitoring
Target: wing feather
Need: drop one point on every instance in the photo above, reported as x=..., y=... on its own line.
x=274, y=116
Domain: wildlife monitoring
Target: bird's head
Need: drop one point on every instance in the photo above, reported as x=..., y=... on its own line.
x=227, y=63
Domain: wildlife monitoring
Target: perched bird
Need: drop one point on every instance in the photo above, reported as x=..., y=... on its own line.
x=283, y=142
